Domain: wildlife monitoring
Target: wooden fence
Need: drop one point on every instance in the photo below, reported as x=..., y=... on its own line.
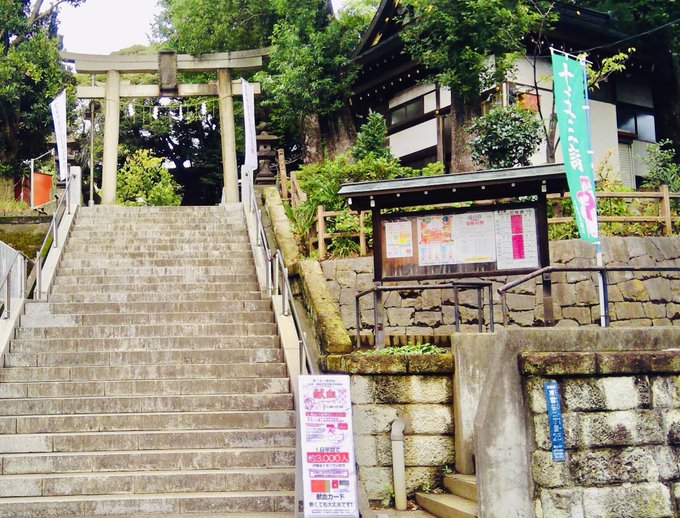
x=664, y=214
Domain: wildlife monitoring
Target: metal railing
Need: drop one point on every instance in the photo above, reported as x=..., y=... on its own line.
x=456, y=286
x=52, y=236
x=600, y=270
x=6, y=286
x=278, y=283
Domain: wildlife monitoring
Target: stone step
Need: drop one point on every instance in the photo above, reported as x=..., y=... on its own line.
x=112, y=249
x=229, y=306
x=183, y=343
x=18, y=390
x=136, y=404
x=144, y=388
x=145, y=421
x=279, y=438
x=143, y=372
x=117, y=319
x=464, y=486
x=160, y=281
x=145, y=296
x=151, y=460
x=141, y=482
x=103, y=210
x=155, y=255
x=248, y=504
x=169, y=357
x=216, y=268
x=110, y=263
x=157, y=330
x=152, y=236
x=161, y=289
x=447, y=506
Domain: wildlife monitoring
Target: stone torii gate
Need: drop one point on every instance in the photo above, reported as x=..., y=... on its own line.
x=166, y=65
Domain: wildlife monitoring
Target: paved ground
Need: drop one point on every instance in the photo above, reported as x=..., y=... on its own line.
x=391, y=513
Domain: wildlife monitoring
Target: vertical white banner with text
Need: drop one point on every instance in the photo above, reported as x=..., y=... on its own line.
x=58, y=107
x=249, y=120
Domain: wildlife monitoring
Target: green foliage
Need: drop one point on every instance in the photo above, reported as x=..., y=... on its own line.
x=405, y=349
x=372, y=138
x=454, y=39
x=322, y=181
x=144, y=181
x=663, y=168
x=31, y=75
x=507, y=136
x=310, y=70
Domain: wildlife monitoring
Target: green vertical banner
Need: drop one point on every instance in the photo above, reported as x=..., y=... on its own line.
x=573, y=120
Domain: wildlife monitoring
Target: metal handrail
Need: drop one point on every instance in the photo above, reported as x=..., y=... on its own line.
x=456, y=286
x=7, y=284
x=602, y=270
x=278, y=283
x=54, y=230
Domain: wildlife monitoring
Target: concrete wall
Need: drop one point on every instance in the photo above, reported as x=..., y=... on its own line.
x=622, y=430
x=642, y=299
x=620, y=401
x=417, y=390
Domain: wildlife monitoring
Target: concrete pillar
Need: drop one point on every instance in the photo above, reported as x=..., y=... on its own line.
x=111, y=130
x=228, y=132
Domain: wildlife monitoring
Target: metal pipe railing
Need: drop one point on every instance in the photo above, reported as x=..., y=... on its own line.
x=54, y=231
x=601, y=270
x=278, y=283
x=7, y=287
x=456, y=286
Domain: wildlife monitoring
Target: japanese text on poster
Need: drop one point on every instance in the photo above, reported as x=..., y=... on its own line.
x=552, y=399
x=328, y=466
x=474, y=236
x=398, y=239
x=516, y=239
x=435, y=240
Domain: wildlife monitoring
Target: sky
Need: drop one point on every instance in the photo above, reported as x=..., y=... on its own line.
x=104, y=26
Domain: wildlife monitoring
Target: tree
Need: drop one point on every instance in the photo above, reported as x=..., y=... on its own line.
x=468, y=45
x=31, y=75
x=507, y=136
x=144, y=181
x=372, y=138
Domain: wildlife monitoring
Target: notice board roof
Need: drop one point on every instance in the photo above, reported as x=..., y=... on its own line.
x=479, y=185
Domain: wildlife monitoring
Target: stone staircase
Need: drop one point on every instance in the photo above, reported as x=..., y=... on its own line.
x=152, y=381
x=460, y=502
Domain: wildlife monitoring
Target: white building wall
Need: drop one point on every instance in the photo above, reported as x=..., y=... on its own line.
x=416, y=138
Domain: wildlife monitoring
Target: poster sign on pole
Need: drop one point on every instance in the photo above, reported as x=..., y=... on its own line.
x=58, y=107
x=571, y=99
x=327, y=447
x=552, y=399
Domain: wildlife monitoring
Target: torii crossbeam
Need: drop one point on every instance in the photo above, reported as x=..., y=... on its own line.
x=167, y=65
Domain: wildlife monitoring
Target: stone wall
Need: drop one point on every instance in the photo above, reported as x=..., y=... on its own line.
x=416, y=389
x=621, y=414
x=640, y=299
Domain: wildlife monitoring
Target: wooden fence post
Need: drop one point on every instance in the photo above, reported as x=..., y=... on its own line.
x=665, y=209
x=283, y=174
x=362, y=234
x=321, y=230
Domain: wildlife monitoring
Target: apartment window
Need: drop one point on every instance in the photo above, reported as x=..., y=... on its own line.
x=636, y=122
x=407, y=111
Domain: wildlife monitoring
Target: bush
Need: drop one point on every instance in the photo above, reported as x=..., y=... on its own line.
x=507, y=136
x=372, y=138
x=144, y=181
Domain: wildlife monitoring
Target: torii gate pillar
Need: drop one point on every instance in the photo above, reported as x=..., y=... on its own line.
x=111, y=131
x=228, y=136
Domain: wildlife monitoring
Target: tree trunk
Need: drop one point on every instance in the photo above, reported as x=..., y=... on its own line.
x=551, y=141
x=312, y=151
x=462, y=111
x=341, y=132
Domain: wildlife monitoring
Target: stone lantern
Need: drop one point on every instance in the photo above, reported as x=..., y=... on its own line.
x=266, y=154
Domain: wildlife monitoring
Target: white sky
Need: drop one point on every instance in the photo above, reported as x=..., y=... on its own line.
x=104, y=26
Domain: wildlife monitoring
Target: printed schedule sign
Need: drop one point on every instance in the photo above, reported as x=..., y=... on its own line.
x=516, y=243
x=327, y=447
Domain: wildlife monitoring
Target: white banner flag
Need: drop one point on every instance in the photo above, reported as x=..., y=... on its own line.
x=249, y=120
x=59, y=116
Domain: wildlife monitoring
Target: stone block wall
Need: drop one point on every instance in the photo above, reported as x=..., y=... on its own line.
x=636, y=299
x=621, y=413
x=417, y=390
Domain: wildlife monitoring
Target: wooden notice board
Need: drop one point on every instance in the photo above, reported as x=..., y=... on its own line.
x=498, y=239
